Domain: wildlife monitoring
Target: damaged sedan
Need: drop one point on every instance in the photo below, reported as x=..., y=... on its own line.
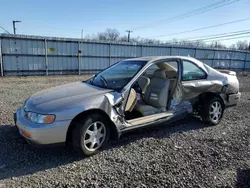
x=129, y=94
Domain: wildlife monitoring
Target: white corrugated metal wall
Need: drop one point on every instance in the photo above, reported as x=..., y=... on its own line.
x=32, y=55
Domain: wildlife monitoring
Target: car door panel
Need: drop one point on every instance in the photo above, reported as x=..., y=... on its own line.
x=194, y=88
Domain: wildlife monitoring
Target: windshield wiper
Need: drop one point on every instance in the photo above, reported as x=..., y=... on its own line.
x=104, y=81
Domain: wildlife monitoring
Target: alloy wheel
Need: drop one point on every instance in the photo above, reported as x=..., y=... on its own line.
x=215, y=111
x=94, y=136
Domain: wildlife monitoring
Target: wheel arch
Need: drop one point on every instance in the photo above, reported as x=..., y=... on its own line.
x=113, y=129
x=206, y=100
x=211, y=95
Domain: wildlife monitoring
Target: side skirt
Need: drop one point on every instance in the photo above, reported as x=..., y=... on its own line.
x=149, y=119
x=168, y=120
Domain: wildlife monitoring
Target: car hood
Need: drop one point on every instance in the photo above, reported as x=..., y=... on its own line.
x=65, y=94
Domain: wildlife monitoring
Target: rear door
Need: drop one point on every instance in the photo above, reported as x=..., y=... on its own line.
x=193, y=79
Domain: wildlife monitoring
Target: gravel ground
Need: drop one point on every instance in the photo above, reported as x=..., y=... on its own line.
x=185, y=154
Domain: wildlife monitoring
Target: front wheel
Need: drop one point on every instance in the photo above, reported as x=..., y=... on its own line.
x=90, y=134
x=212, y=111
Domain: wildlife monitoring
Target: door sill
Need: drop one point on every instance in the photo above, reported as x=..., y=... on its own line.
x=167, y=120
x=148, y=119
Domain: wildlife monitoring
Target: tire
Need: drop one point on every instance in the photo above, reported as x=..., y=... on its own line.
x=212, y=111
x=87, y=136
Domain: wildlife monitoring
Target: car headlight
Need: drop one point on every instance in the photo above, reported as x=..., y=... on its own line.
x=40, y=118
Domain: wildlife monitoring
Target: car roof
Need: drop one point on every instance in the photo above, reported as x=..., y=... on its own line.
x=154, y=58
x=150, y=59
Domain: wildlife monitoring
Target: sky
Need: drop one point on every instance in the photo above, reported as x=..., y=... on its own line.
x=64, y=18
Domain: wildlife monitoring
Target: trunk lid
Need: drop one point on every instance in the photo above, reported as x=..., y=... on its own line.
x=232, y=81
x=227, y=72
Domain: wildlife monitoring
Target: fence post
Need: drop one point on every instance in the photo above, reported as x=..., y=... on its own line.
x=195, y=52
x=46, y=57
x=244, y=68
x=230, y=62
x=110, y=54
x=1, y=57
x=212, y=65
x=16, y=54
x=79, y=58
x=141, y=50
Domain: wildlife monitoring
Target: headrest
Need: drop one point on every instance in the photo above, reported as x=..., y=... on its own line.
x=171, y=74
x=160, y=74
x=144, y=78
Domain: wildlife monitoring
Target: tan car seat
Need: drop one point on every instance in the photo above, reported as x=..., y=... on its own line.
x=156, y=95
x=143, y=82
x=131, y=101
x=172, y=76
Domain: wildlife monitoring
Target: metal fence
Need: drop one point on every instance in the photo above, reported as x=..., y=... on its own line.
x=33, y=55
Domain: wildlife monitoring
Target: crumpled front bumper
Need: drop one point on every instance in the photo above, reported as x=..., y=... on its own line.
x=43, y=134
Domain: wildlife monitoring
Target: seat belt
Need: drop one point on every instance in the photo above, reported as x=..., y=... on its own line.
x=172, y=92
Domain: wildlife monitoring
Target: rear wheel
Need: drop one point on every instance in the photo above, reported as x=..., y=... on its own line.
x=90, y=134
x=212, y=111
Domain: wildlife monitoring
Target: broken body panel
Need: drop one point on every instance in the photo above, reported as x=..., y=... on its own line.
x=220, y=83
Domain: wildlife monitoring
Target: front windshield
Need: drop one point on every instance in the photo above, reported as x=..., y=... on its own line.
x=118, y=75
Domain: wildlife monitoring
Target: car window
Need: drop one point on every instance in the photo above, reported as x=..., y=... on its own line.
x=118, y=75
x=192, y=72
x=173, y=64
x=150, y=71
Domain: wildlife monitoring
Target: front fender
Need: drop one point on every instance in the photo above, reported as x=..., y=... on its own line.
x=101, y=102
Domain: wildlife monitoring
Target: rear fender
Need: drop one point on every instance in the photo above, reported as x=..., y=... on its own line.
x=199, y=101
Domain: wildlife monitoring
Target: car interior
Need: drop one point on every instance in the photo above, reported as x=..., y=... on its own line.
x=152, y=92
